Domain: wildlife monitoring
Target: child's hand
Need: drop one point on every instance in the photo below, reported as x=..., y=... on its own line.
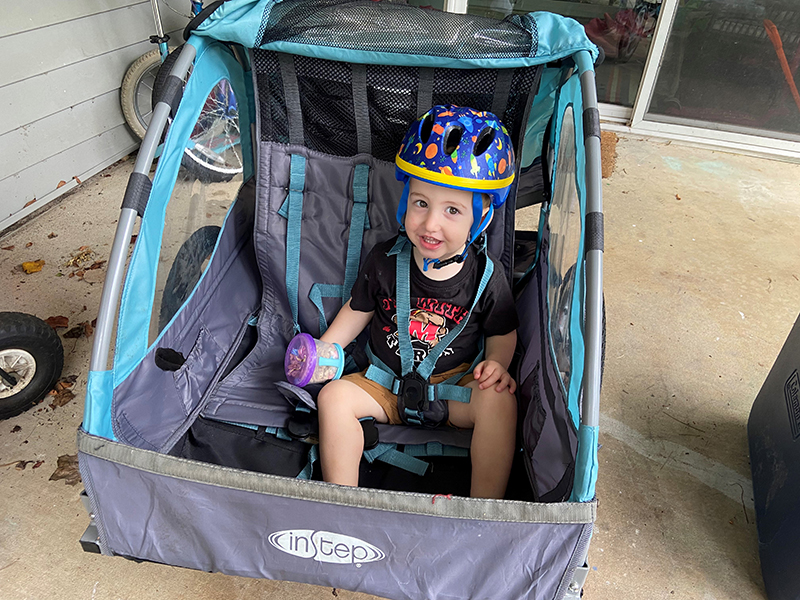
x=489, y=372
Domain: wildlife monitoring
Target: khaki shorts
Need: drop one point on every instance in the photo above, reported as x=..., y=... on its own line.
x=388, y=401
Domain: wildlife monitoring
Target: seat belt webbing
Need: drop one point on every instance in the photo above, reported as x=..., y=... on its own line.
x=358, y=219
x=297, y=182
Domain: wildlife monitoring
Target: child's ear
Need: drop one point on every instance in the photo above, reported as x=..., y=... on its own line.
x=483, y=216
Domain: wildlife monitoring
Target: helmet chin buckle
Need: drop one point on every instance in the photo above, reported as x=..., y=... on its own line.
x=438, y=264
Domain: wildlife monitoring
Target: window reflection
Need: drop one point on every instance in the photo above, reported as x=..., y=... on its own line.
x=734, y=63
x=623, y=29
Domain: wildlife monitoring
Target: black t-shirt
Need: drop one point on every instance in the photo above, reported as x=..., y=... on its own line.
x=436, y=307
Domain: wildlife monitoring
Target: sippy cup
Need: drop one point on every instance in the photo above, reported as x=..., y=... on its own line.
x=309, y=360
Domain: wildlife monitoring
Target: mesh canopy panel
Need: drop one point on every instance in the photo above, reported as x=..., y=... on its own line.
x=394, y=27
x=327, y=105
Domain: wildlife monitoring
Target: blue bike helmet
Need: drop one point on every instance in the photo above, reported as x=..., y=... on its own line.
x=461, y=148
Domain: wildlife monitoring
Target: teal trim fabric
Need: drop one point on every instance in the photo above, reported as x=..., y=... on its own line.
x=297, y=183
x=583, y=488
x=97, y=408
x=213, y=63
x=240, y=21
x=540, y=114
x=572, y=93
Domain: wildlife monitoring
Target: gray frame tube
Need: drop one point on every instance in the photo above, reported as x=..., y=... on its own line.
x=112, y=285
x=590, y=408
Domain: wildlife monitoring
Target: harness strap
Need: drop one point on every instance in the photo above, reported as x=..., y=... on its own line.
x=389, y=454
x=381, y=374
x=358, y=219
x=317, y=293
x=297, y=182
x=426, y=367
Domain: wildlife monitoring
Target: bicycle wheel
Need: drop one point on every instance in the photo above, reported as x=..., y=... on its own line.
x=214, y=150
x=136, y=92
x=31, y=357
x=186, y=271
x=213, y=153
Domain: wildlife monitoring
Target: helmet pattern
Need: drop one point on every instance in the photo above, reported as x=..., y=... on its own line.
x=459, y=147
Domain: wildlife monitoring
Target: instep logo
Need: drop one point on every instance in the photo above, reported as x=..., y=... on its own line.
x=324, y=546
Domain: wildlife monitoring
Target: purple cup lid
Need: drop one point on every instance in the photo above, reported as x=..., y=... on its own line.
x=300, y=360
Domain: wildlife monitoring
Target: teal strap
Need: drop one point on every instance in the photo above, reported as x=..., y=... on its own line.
x=380, y=373
x=434, y=449
x=308, y=470
x=447, y=390
x=404, y=309
x=426, y=367
x=357, y=224
x=297, y=183
x=318, y=292
x=389, y=454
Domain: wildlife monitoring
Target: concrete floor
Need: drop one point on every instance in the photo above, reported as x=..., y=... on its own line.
x=702, y=277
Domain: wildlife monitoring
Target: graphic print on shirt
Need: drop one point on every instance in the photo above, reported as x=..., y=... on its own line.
x=427, y=326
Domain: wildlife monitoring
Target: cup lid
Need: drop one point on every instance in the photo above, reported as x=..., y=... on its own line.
x=300, y=360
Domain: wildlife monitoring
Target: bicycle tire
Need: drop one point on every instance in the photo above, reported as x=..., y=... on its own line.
x=26, y=337
x=201, y=163
x=185, y=272
x=135, y=93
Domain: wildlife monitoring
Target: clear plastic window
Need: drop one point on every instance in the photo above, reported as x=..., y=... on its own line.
x=208, y=180
x=565, y=237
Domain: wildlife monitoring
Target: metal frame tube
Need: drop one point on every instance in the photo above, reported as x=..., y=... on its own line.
x=119, y=250
x=157, y=18
x=590, y=408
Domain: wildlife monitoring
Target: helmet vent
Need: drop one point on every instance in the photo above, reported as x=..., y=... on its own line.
x=485, y=139
x=425, y=128
x=452, y=138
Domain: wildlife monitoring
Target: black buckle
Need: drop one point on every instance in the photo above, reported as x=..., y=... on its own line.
x=154, y=39
x=302, y=425
x=413, y=392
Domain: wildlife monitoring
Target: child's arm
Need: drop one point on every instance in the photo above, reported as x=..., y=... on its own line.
x=494, y=368
x=347, y=325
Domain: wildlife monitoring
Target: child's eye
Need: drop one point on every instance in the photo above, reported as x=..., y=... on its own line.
x=421, y=203
x=452, y=210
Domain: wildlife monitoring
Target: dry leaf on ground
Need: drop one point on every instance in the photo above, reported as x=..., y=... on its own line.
x=33, y=266
x=61, y=398
x=7, y=248
x=52, y=235
x=58, y=322
x=67, y=470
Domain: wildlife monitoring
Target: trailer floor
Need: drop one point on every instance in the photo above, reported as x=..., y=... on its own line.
x=702, y=280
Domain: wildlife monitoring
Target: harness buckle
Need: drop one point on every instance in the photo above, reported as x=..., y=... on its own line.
x=414, y=406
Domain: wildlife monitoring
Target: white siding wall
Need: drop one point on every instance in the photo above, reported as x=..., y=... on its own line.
x=60, y=118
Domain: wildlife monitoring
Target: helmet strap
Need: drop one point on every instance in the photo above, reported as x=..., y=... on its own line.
x=403, y=206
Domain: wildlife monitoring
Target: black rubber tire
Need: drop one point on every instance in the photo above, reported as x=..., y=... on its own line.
x=20, y=331
x=185, y=271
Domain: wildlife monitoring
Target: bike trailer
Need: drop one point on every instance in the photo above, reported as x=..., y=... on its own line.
x=275, y=178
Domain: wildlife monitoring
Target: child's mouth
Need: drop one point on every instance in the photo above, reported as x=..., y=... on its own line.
x=429, y=243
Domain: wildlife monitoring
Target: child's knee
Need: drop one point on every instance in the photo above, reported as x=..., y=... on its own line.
x=330, y=396
x=490, y=403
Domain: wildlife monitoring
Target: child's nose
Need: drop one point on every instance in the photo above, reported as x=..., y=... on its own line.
x=432, y=221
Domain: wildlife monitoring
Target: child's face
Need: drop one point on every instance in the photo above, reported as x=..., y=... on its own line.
x=438, y=219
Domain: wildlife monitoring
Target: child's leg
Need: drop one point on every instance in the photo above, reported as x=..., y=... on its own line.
x=493, y=417
x=341, y=440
